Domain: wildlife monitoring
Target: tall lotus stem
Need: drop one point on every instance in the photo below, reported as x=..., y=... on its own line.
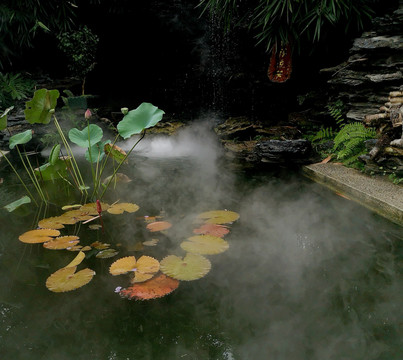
x=121, y=162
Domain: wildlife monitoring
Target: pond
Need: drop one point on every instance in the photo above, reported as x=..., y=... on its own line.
x=307, y=275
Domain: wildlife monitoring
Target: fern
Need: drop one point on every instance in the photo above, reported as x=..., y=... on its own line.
x=350, y=140
x=336, y=112
x=323, y=134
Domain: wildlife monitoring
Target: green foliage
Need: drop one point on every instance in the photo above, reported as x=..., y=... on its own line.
x=336, y=110
x=349, y=142
x=135, y=121
x=20, y=139
x=17, y=203
x=279, y=22
x=3, y=118
x=87, y=137
x=41, y=107
x=14, y=87
x=21, y=19
x=80, y=47
x=323, y=134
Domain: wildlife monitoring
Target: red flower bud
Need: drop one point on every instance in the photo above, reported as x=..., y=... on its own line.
x=99, y=207
x=87, y=114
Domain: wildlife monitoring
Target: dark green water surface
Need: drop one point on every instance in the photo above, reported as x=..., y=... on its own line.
x=308, y=275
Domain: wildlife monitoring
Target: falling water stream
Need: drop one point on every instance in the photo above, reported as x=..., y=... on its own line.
x=308, y=275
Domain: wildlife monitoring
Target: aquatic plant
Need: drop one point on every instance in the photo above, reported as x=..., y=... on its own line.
x=41, y=110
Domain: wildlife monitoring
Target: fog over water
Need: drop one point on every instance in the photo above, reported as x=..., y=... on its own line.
x=308, y=275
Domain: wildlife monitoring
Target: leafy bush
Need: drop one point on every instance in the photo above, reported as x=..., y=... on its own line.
x=14, y=87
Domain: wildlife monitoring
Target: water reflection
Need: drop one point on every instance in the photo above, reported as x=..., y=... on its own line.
x=308, y=275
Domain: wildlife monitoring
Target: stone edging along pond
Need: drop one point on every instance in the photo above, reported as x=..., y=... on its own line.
x=375, y=193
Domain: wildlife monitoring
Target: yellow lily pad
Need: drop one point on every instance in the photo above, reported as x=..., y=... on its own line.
x=120, y=208
x=77, y=260
x=61, y=242
x=219, y=216
x=91, y=208
x=191, y=267
x=38, y=236
x=51, y=223
x=144, y=268
x=205, y=245
x=66, y=279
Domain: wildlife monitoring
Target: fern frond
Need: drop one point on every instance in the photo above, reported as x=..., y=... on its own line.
x=355, y=130
x=323, y=134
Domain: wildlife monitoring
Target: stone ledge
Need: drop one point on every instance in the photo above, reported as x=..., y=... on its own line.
x=377, y=194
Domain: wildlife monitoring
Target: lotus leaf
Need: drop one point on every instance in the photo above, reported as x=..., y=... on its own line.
x=97, y=151
x=119, y=178
x=20, y=139
x=135, y=121
x=219, y=216
x=41, y=107
x=77, y=260
x=144, y=268
x=86, y=137
x=61, y=242
x=158, y=226
x=17, y=203
x=119, y=208
x=38, y=236
x=49, y=172
x=54, y=154
x=152, y=289
x=55, y=222
x=192, y=267
x=107, y=253
x=66, y=279
x=3, y=118
x=115, y=152
x=205, y=245
x=212, y=229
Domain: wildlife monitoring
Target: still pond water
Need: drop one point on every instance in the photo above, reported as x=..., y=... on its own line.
x=308, y=275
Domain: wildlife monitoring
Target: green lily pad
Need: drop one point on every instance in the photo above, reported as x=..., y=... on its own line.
x=16, y=204
x=192, y=267
x=205, y=245
x=135, y=121
x=87, y=137
x=41, y=107
x=19, y=139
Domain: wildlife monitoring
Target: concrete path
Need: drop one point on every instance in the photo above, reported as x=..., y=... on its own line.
x=375, y=193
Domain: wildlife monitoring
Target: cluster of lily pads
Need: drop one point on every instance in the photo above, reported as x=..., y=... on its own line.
x=149, y=278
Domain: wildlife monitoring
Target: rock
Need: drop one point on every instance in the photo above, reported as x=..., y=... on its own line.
x=370, y=42
x=285, y=152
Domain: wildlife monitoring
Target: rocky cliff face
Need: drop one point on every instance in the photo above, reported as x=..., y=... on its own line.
x=373, y=70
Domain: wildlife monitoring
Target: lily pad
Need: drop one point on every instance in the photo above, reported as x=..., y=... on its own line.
x=87, y=137
x=205, y=245
x=191, y=267
x=66, y=279
x=61, y=242
x=20, y=139
x=100, y=246
x=120, y=208
x=219, y=216
x=38, y=236
x=77, y=260
x=135, y=121
x=54, y=222
x=212, y=229
x=107, y=253
x=92, y=208
x=41, y=107
x=158, y=226
x=144, y=268
x=157, y=287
